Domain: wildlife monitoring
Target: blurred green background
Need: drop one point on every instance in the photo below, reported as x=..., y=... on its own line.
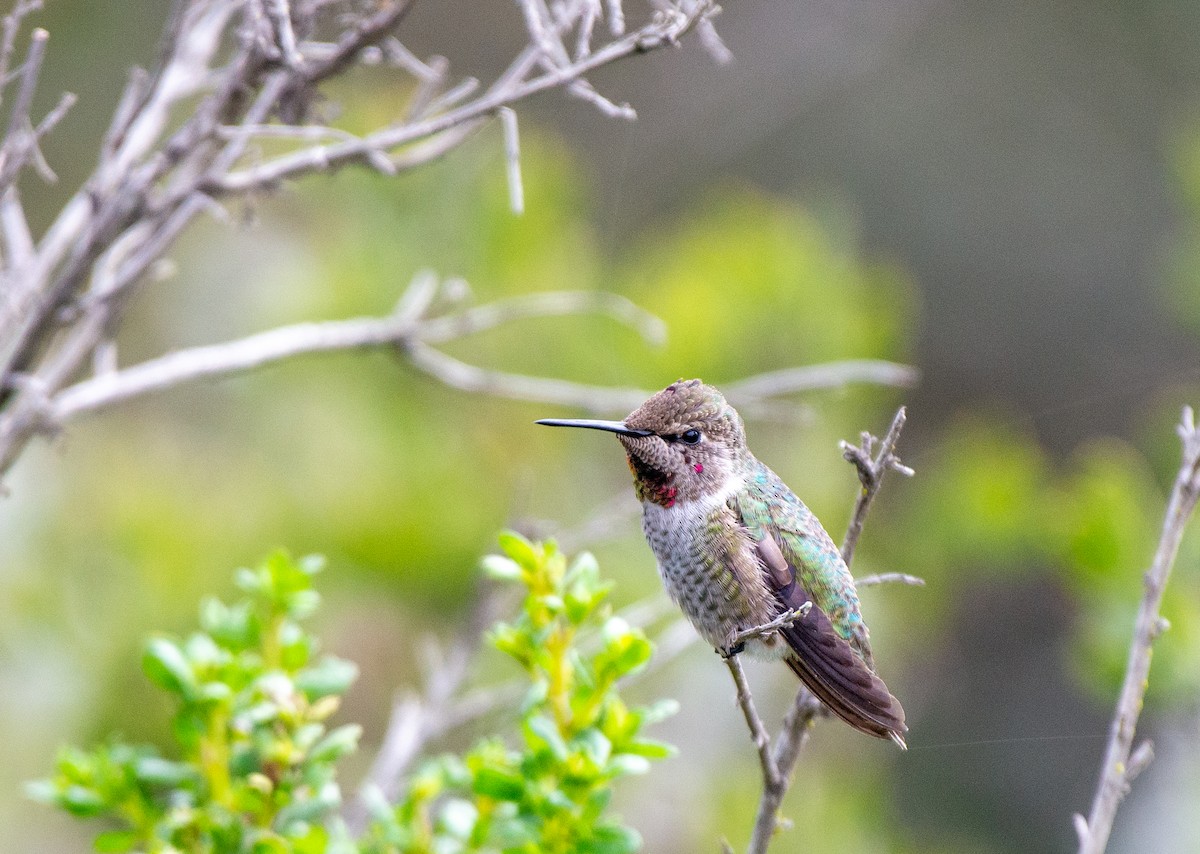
x=1006, y=195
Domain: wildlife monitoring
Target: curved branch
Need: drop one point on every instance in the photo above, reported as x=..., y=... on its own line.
x=831, y=375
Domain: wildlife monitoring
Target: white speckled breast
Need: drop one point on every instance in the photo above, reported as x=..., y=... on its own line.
x=709, y=571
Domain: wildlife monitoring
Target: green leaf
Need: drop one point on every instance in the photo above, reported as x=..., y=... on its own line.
x=82, y=801
x=520, y=549
x=341, y=742
x=115, y=840
x=501, y=568
x=167, y=666
x=309, y=809
x=270, y=844
x=457, y=818
x=328, y=676
x=628, y=763
x=625, y=649
x=312, y=564
x=650, y=749
x=594, y=745
x=584, y=571
x=659, y=710
x=303, y=603
x=513, y=642
x=540, y=730
x=162, y=772
x=612, y=839
x=498, y=784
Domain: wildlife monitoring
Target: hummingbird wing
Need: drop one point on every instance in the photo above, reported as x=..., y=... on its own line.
x=825, y=661
x=836, y=672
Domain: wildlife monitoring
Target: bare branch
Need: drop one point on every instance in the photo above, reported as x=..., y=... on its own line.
x=828, y=375
x=1119, y=767
x=460, y=375
x=547, y=304
x=160, y=163
x=19, y=118
x=664, y=30
x=365, y=32
x=758, y=731
x=512, y=158
x=11, y=26
x=889, y=578
x=20, y=141
x=407, y=327
x=870, y=473
x=219, y=360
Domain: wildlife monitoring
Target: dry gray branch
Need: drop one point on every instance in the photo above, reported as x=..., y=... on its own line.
x=889, y=578
x=228, y=73
x=412, y=329
x=758, y=730
x=1121, y=762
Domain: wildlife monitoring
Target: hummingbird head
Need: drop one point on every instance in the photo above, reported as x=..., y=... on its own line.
x=683, y=443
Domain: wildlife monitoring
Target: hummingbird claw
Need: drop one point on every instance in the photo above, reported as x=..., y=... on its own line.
x=731, y=651
x=788, y=617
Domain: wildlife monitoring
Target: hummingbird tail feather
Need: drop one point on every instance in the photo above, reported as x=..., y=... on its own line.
x=841, y=680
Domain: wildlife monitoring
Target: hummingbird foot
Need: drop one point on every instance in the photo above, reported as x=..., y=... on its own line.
x=730, y=651
x=738, y=642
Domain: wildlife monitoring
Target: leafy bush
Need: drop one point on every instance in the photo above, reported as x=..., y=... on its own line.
x=257, y=763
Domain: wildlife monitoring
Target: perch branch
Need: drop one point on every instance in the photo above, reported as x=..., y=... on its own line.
x=780, y=762
x=1119, y=766
x=758, y=730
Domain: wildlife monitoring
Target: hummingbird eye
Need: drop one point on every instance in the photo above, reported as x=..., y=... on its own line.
x=690, y=437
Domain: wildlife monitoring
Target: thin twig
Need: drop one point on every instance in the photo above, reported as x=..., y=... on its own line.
x=512, y=159
x=758, y=731
x=20, y=139
x=870, y=474
x=1119, y=767
x=889, y=578
x=328, y=157
x=788, y=617
x=404, y=327
x=830, y=375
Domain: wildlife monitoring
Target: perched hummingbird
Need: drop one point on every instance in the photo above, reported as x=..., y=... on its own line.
x=737, y=549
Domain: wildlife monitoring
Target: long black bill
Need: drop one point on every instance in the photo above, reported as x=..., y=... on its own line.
x=617, y=427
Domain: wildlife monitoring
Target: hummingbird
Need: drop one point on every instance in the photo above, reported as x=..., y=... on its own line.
x=738, y=551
